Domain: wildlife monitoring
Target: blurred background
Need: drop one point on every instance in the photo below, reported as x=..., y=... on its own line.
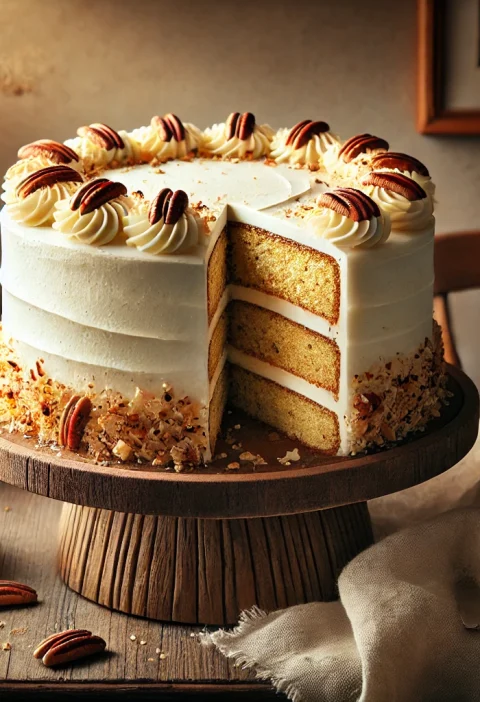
x=64, y=63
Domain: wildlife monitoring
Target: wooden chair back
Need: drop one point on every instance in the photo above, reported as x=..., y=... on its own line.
x=457, y=267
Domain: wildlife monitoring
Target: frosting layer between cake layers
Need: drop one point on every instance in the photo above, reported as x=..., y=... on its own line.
x=117, y=317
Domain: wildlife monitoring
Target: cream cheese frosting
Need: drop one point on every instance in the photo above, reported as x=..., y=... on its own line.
x=155, y=328
x=347, y=219
x=303, y=145
x=410, y=208
x=165, y=138
x=157, y=234
x=231, y=139
x=94, y=214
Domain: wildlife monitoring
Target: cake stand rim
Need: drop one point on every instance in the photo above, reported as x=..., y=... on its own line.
x=232, y=495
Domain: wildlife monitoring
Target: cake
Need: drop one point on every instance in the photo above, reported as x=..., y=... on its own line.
x=150, y=277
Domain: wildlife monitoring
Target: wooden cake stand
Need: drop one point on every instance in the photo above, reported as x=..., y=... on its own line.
x=199, y=547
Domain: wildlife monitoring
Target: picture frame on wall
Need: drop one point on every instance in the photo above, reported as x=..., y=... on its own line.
x=448, y=69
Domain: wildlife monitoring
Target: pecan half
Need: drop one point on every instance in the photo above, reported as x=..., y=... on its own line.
x=231, y=124
x=403, y=162
x=245, y=126
x=96, y=193
x=162, y=127
x=73, y=420
x=102, y=135
x=302, y=132
x=176, y=125
x=159, y=205
x=350, y=203
x=397, y=182
x=13, y=593
x=177, y=204
x=46, y=177
x=69, y=646
x=361, y=144
x=54, y=150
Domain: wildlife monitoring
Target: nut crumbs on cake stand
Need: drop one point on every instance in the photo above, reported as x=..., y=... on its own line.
x=199, y=547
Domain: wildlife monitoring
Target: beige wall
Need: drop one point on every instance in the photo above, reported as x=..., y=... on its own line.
x=64, y=63
x=350, y=63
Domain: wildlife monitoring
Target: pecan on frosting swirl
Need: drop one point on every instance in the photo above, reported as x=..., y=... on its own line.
x=94, y=214
x=303, y=145
x=34, y=198
x=166, y=226
x=348, y=218
x=407, y=165
x=354, y=155
x=403, y=199
x=35, y=156
x=238, y=137
x=165, y=138
x=99, y=146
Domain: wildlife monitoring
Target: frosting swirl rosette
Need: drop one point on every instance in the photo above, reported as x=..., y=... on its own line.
x=99, y=146
x=166, y=226
x=238, y=137
x=303, y=145
x=404, y=200
x=35, y=156
x=348, y=218
x=165, y=138
x=354, y=155
x=406, y=165
x=94, y=214
x=34, y=198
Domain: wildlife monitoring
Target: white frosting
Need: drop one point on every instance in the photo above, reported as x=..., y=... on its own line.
x=96, y=228
x=310, y=154
x=38, y=208
x=149, y=145
x=93, y=156
x=161, y=238
x=405, y=215
x=120, y=317
x=215, y=142
x=25, y=167
x=344, y=232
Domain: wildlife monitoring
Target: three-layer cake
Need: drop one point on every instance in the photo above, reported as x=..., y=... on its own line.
x=148, y=277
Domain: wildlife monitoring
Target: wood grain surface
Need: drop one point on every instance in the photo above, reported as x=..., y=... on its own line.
x=208, y=571
x=129, y=670
x=315, y=482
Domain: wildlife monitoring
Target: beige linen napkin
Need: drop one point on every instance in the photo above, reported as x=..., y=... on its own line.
x=396, y=635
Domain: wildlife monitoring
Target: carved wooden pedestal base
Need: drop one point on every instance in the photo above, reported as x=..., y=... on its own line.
x=206, y=570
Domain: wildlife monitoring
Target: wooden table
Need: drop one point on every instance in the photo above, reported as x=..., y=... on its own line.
x=28, y=552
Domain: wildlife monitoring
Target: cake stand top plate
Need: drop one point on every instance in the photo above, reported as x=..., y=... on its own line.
x=311, y=483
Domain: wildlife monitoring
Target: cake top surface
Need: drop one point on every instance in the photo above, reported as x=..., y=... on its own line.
x=97, y=189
